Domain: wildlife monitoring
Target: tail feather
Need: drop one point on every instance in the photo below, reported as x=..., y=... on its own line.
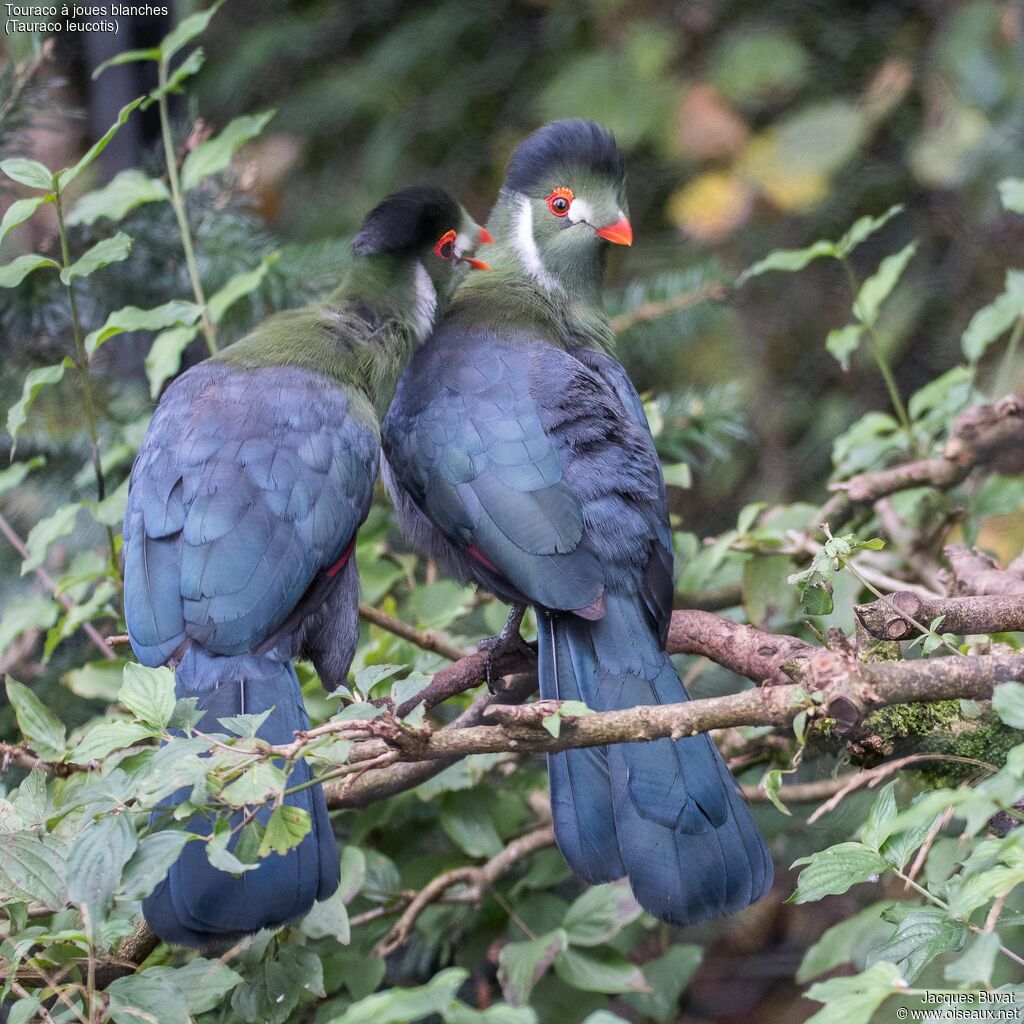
x=199, y=905
x=685, y=836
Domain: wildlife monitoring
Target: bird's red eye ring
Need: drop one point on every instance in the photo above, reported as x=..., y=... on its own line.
x=559, y=201
x=445, y=247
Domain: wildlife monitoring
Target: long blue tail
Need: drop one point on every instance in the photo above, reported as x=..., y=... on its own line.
x=198, y=905
x=666, y=813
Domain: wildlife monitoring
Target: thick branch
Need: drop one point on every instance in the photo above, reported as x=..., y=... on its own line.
x=890, y=618
x=972, y=572
x=984, y=435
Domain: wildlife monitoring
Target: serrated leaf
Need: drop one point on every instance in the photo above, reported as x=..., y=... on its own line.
x=878, y=287
x=148, y=693
x=842, y=342
x=131, y=318
x=38, y=724
x=68, y=175
x=110, y=250
x=215, y=154
x=919, y=937
x=1011, y=194
x=19, y=211
x=218, y=854
x=101, y=739
x=522, y=964
x=787, y=260
x=164, y=357
x=602, y=970
x=151, y=861
x=186, y=30
x=287, y=827
x=854, y=1000
x=28, y=172
x=96, y=861
x=124, y=193
x=1008, y=703
x=13, y=273
x=600, y=914
x=45, y=532
x=238, y=287
x=834, y=870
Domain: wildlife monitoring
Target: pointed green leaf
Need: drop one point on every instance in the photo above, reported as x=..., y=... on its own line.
x=218, y=854
x=1008, y=703
x=328, y=920
x=864, y=228
x=921, y=936
x=842, y=342
x=151, y=862
x=34, y=868
x=20, y=210
x=215, y=154
x=848, y=942
x=981, y=888
x=1011, y=192
x=28, y=172
x=131, y=318
x=788, y=260
x=854, y=1000
x=255, y=785
x=238, y=287
x=45, y=532
x=877, y=288
x=13, y=273
x=127, y=57
x=186, y=30
x=110, y=250
x=96, y=861
x=14, y=474
x=286, y=828
x=834, y=870
x=115, y=200
x=522, y=964
x=600, y=970
x=185, y=70
x=24, y=613
x=467, y=820
x=667, y=977
x=880, y=819
x=976, y=966
x=600, y=914
x=38, y=724
x=148, y=693
x=106, y=737
x=164, y=357
x=68, y=175
x=995, y=319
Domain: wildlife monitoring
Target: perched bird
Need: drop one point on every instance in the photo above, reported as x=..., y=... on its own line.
x=244, y=502
x=518, y=454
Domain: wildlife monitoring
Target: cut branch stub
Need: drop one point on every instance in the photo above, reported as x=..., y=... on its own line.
x=889, y=618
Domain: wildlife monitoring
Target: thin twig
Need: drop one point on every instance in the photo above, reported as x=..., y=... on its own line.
x=427, y=639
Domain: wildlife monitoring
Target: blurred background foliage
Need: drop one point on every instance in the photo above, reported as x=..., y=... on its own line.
x=747, y=127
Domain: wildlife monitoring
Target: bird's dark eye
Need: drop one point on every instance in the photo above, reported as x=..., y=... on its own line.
x=559, y=201
x=445, y=247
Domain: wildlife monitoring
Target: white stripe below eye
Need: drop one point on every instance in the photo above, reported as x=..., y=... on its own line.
x=580, y=210
x=426, y=301
x=462, y=243
x=526, y=248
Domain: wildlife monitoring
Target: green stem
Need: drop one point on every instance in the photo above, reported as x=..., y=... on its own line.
x=882, y=361
x=82, y=364
x=178, y=204
x=1009, y=356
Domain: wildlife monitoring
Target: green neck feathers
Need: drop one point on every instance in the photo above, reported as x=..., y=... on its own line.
x=361, y=336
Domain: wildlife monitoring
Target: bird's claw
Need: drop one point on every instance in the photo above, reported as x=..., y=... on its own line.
x=508, y=641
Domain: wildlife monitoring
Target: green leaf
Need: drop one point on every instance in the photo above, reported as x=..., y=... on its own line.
x=842, y=342
x=287, y=827
x=146, y=997
x=218, y=854
x=854, y=1000
x=68, y=175
x=771, y=783
x=20, y=210
x=186, y=30
x=979, y=889
x=36, y=379
x=863, y=228
x=151, y=862
x=45, y=532
x=922, y=935
x=164, y=357
x=902, y=843
x=96, y=861
x=466, y=818
x=13, y=475
x=34, y=868
x=678, y=474
x=878, y=287
x=127, y=57
x=131, y=318
x=13, y=273
x=215, y=154
x=101, y=739
x=238, y=287
x=834, y=870
x=848, y=942
x=522, y=964
x=328, y=920
x=602, y=970
x=976, y=966
x=117, y=199
x=185, y=70
x=38, y=724
x=110, y=250
x=995, y=319
x=880, y=819
x=28, y=172
x=667, y=977
x=405, y=1005
x=1008, y=702
x=600, y=914
x=788, y=260
x=98, y=680
x=148, y=693
x=255, y=785
x=1011, y=192
x=23, y=613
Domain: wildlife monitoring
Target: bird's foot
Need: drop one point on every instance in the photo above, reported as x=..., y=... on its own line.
x=508, y=641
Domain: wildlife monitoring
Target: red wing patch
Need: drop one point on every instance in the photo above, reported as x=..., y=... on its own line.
x=340, y=563
x=474, y=552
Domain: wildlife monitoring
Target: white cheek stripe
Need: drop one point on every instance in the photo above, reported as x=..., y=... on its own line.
x=426, y=301
x=526, y=248
x=462, y=243
x=580, y=210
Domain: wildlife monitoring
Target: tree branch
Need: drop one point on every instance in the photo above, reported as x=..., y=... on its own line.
x=425, y=638
x=972, y=572
x=890, y=618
